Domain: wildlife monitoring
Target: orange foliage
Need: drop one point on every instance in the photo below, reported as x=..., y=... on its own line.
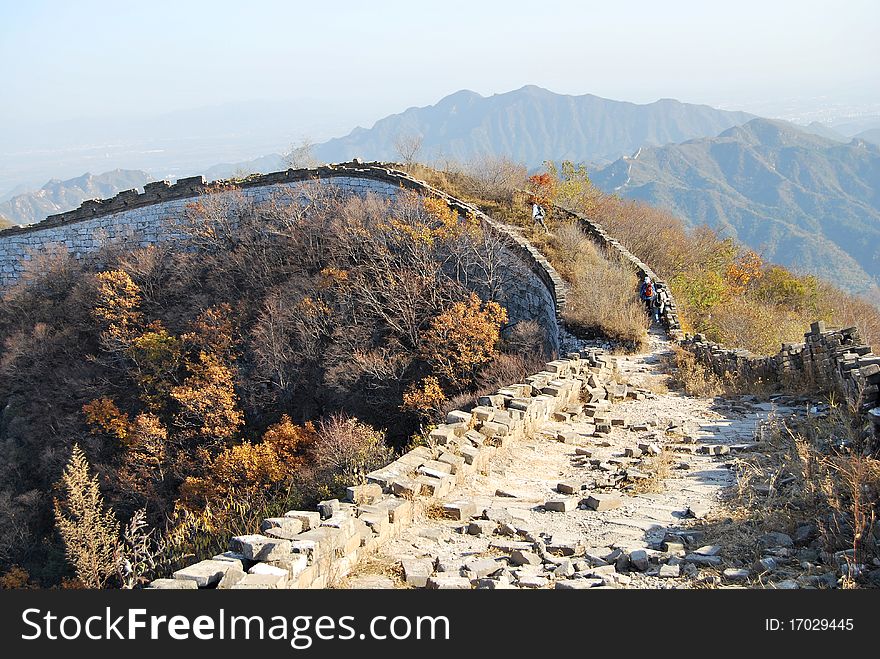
x=746, y=269
x=250, y=469
x=542, y=187
x=463, y=338
x=424, y=398
x=16, y=578
x=103, y=416
x=208, y=400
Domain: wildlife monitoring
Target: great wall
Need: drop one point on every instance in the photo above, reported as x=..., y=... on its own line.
x=524, y=489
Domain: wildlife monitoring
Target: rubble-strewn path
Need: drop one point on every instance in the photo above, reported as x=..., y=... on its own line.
x=602, y=499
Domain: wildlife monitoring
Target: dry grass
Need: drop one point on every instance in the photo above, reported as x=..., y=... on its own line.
x=375, y=565
x=814, y=470
x=603, y=298
x=658, y=468
x=690, y=375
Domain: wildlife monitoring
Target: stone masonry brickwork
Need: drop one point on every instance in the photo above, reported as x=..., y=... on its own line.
x=832, y=360
x=316, y=549
x=535, y=292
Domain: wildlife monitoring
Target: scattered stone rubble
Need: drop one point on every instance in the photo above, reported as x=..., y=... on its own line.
x=558, y=506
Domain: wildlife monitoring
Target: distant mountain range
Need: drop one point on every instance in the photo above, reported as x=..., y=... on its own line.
x=59, y=196
x=805, y=196
x=531, y=125
x=872, y=135
x=803, y=200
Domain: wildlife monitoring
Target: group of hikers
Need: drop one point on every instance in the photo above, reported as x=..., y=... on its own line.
x=655, y=296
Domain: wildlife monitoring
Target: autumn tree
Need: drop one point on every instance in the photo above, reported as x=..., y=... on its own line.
x=89, y=529
x=425, y=398
x=117, y=309
x=253, y=469
x=462, y=339
x=207, y=399
x=542, y=188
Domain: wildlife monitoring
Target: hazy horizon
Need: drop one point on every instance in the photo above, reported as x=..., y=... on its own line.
x=94, y=85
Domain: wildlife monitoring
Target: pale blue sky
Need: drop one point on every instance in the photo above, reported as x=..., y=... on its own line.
x=64, y=59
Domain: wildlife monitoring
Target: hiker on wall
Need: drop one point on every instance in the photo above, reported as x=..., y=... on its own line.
x=661, y=301
x=538, y=214
x=647, y=294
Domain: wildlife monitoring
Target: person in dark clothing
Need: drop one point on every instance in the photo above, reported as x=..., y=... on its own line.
x=647, y=294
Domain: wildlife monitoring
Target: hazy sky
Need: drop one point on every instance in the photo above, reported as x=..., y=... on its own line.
x=64, y=59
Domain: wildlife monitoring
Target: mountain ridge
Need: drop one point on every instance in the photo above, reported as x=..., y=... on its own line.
x=57, y=196
x=531, y=125
x=805, y=201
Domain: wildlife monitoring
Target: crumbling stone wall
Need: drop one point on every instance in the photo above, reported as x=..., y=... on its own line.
x=536, y=291
x=315, y=549
x=596, y=231
x=831, y=360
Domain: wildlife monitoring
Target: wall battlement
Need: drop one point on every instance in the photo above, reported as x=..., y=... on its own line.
x=140, y=219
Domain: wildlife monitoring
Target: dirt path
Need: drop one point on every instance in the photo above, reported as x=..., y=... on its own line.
x=664, y=461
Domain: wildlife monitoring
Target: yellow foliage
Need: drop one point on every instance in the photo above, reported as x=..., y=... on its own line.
x=463, y=338
x=117, y=305
x=103, y=415
x=424, y=398
x=250, y=469
x=747, y=269
x=208, y=400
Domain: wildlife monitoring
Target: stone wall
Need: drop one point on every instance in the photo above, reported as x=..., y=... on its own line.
x=130, y=219
x=829, y=360
x=595, y=231
x=315, y=549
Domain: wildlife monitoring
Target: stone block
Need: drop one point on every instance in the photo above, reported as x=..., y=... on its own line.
x=524, y=557
x=204, y=573
x=562, y=505
x=328, y=508
x=457, y=416
x=456, y=462
x=360, y=494
x=482, y=567
x=260, y=547
x=430, y=486
x=639, y=560
x=448, y=582
x=289, y=525
x=481, y=527
x=260, y=582
x=173, y=584
x=460, y=510
x=735, y=574
x=416, y=571
x=601, y=502
x=568, y=487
